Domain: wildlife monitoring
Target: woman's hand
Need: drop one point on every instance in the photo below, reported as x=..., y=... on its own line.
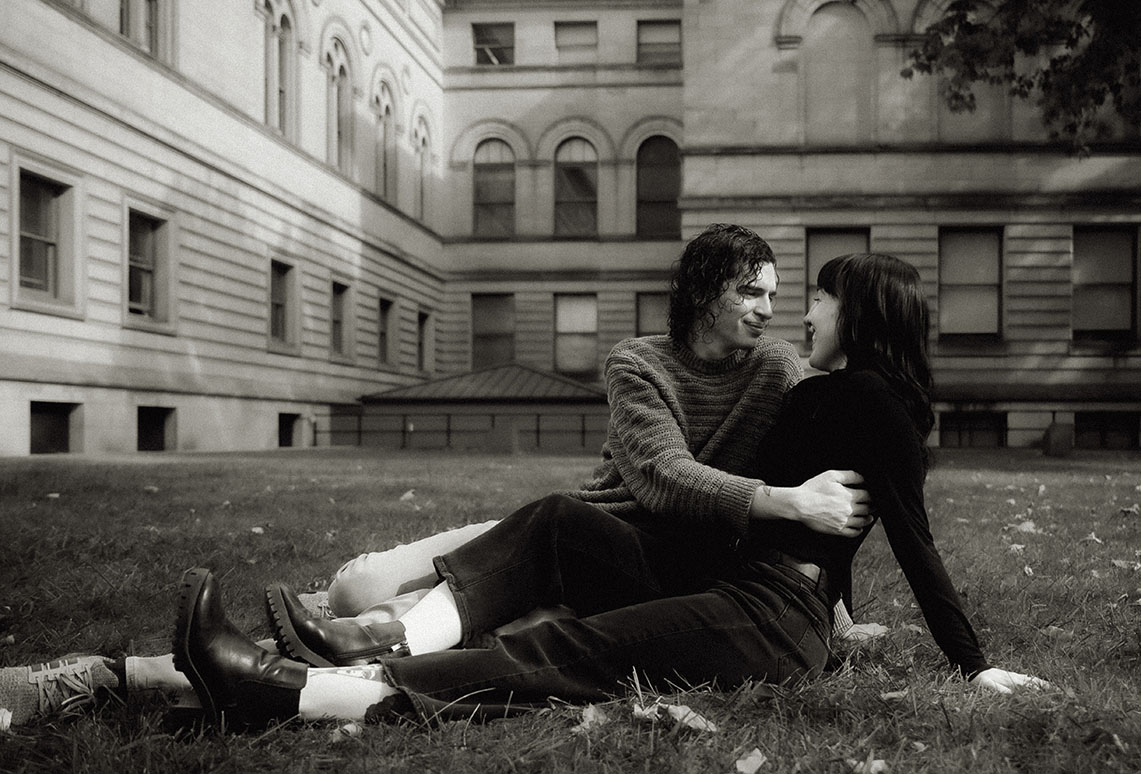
x=829, y=503
x=1002, y=681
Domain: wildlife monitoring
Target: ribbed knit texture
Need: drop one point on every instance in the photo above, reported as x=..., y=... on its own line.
x=684, y=432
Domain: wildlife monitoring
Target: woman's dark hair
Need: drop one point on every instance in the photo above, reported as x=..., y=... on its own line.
x=883, y=323
x=712, y=261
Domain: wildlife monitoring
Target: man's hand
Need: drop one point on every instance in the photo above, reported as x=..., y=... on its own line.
x=1001, y=681
x=830, y=503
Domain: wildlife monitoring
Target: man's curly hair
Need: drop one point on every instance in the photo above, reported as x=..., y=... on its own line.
x=711, y=263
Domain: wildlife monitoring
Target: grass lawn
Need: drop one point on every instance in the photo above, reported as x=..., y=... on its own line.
x=1046, y=552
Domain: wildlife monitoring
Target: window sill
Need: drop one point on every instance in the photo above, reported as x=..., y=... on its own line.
x=147, y=325
x=54, y=308
x=283, y=348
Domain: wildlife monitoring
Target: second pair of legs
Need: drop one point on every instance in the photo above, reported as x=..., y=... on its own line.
x=669, y=609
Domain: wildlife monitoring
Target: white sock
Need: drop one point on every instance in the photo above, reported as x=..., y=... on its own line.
x=154, y=673
x=344, y=693
x=433, y=623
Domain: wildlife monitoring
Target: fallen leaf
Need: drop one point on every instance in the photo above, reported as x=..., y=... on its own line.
x=645, y=713
x=915, y=628
x=894, y=695
x=150, y=488
x=1058, y=633
x=1041, y=489
x=679, y=714
x=751, y=763
x=1121, y=564
x=918, y=746
x=1027, y=526
x=864, y=632
x=868, y=766
x=1016, y=548
x=1092, y=538
x=257, y=530
x=53, y=495
x=1011, y=501
x=683, y=715
x=1028, y=571
x=346, y=731
x=592, y=715
x=407, y=495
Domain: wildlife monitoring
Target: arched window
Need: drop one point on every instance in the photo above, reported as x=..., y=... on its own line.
x=493, y=190
x=382, y=108
x=279, y=62
x=839, y=66
x=422, y=147
x=340, y=107
x=576, y=189
x=659, y=185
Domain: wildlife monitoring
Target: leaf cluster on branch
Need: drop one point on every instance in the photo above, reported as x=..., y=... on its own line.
x=1079, y=60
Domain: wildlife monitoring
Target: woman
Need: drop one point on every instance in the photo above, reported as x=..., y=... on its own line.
x=765, y=614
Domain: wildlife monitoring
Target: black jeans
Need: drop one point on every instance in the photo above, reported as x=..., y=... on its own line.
x=642, y=604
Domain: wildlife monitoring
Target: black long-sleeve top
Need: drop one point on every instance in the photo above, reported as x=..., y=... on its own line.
x=852, y=420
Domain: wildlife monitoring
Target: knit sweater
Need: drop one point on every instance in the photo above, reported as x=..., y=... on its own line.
x=684, y=433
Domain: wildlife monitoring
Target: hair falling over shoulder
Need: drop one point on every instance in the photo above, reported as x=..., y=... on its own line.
x=883, y=325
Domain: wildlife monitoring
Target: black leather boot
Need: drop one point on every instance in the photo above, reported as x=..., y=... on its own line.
x=238, y=682
x=322, y=643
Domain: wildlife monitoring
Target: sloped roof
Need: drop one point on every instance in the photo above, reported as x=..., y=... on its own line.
x=512, y=383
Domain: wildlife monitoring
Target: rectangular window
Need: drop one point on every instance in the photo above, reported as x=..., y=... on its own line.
x=1105, y=284
x=653, y=313
x=53, y=427
x=494, y=43
x=39, y=234
x=970, y=282
x=338, y=321
x=659, y=42
x=492, y=329
x=972, y=429
x=282, y=305
x=289, y=430
x=149, y=259
x=143, y=23
x=45, y=225
x=1106, y=429
x=142, y=263
x=576, y=334
x=385, y=330
x=423, y=341
x=577, y=41
x=156, y=429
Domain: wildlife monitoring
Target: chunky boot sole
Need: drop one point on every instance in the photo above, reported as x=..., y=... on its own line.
x=192, y=582
x=289, y=644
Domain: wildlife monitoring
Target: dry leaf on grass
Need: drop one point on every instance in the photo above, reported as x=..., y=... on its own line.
x=592, y=716
x=751, y=763
x=677, y=714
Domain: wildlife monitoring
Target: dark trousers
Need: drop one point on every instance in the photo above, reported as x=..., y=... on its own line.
x=679, y=616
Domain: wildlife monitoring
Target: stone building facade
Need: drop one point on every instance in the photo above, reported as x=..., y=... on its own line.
x=228, y=221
